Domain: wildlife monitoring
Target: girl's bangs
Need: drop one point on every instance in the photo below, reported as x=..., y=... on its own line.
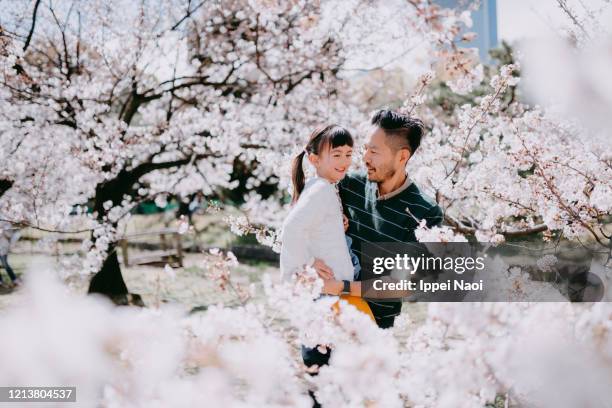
x=336, y=137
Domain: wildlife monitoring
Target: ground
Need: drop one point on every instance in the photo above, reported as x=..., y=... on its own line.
x=190, y=287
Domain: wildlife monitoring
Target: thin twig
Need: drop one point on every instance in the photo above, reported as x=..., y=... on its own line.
x=31, y=33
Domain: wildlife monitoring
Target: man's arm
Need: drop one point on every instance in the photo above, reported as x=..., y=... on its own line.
x=334, y=287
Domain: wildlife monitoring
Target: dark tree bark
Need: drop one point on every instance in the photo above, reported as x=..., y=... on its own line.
x=5, y=185
x=108, y=280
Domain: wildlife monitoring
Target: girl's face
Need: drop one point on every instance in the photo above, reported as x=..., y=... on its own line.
x=332, y=164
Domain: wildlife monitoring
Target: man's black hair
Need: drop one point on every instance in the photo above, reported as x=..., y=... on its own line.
x=405, y=130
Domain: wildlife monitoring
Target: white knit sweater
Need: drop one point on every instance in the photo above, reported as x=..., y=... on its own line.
x=313, y=229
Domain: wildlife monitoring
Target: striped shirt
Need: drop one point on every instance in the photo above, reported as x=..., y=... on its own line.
x=392, y=217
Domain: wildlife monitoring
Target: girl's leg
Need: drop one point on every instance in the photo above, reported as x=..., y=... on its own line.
x=312, y=356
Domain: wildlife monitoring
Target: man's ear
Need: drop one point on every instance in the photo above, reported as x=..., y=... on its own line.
x=405, y=155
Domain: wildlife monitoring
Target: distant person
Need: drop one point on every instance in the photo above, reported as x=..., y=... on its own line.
x=8, y=235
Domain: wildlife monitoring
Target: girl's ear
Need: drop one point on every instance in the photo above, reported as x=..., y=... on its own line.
x=313, y=159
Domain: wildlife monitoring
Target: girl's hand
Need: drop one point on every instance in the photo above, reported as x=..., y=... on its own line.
x=345, y=222
x=324, y=271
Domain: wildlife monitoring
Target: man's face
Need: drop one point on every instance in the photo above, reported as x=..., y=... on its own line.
x=382, y=162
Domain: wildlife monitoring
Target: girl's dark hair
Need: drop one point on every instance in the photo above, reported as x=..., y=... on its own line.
x=323, y=138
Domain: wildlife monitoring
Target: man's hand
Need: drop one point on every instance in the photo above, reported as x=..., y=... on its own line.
x=345, y=222
x=322, y=269
x=332, y=287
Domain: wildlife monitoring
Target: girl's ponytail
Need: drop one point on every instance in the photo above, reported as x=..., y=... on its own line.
x=297, y=176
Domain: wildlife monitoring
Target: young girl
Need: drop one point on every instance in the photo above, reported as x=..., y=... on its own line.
x=314, y=227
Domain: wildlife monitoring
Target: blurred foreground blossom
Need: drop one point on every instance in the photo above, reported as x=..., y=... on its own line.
x=582, y=89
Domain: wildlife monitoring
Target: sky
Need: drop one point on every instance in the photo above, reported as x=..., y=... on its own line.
x=517, y=20
x=524, y=19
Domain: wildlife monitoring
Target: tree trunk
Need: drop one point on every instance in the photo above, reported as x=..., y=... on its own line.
x=5, y=185
x=108, y=280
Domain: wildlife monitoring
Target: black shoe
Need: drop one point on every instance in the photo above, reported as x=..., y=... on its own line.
x=315, y=403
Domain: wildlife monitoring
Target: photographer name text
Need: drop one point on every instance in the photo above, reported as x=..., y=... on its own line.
x=428, y=287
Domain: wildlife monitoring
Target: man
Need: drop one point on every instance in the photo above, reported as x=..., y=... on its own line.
x=384, y=205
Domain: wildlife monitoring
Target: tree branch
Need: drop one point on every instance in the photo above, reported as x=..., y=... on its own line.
x=186, y=16
x=528, y=231
x=23, y=224
x=31, y=33
x=464, y=229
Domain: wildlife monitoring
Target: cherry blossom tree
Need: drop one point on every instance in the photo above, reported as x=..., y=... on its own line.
x=499, y=166
x=115, y=106
x=137, y=102
x=502, y=168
